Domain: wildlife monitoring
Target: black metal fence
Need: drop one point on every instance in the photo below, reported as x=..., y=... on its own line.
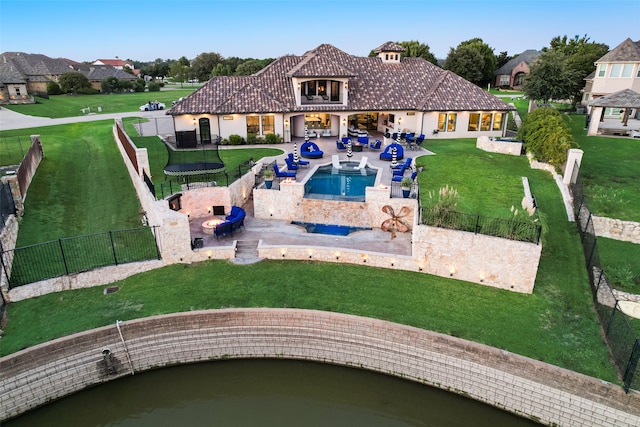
x=7, y=205
x=621, y=339
x=499, y=227
x=76, y=254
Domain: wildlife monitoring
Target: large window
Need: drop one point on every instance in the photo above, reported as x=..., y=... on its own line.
x=267, y=125
x=627, y=70
x=602, y=71
x=485, y=124
x=447, y=122
x=260, y=125
x=498, y=118
x=474, y=119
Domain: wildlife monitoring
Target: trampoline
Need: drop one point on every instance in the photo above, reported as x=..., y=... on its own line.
x=194, y=168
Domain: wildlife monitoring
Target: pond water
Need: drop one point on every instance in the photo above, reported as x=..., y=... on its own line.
x=265, y=393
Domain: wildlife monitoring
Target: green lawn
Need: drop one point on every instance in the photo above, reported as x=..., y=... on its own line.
x=610, y=172
x=620, y=261
x=71, y=105
x=556, y=324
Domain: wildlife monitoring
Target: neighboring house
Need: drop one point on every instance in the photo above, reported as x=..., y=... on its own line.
x=512, y=73
x=118, y=64
x=25, y=75
x=619, y=69
x=334, y=94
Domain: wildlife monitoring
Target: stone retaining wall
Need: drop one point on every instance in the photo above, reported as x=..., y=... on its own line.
x=617, y=229
x=495, y=146
x=526, y=387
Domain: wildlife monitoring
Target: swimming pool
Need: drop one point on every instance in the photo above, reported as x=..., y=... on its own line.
x=346, y=183
x=334, y=230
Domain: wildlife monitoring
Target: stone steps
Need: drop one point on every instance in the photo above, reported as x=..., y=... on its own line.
x=246, y=252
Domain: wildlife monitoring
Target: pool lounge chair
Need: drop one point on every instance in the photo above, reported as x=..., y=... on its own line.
x=300, y=162
x=290, y=164
x=363, y=163
x=281, y=174
x=335, y=162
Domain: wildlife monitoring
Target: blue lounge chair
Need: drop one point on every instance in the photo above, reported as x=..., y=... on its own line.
x=340, y=146
x=300, y=162
x=223, y=229
x=398, y=178
x=290, y=164
x=376, y=145
x=406, y=163
x=281, y=174
x=310, y=150
x=386, y=154
x=400, y=171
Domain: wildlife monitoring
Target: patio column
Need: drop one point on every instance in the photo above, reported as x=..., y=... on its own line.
x=594, y=122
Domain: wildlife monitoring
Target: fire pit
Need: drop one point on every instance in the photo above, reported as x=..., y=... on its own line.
x=209, y=225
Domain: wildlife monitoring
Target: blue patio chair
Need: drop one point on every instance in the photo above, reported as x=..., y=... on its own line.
x=363, y=140
x=340, y=146
x=300, y=162
x=376, y=145
x=398, y=178
x=281, y=174
x=400, y=171
x=394, y=136
x=290, y=164
x=386, y=154
x=407, y=163
x=310, y=150
x=346, y=140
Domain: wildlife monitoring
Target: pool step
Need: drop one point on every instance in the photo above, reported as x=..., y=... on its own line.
x=246, y=252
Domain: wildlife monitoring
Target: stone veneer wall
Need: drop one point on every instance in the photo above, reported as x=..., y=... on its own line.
x=517, y=384
x=617, y=229
x=502, y=147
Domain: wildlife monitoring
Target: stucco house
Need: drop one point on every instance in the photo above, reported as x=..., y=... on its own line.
x=612, y=92
x=118, y=64
x=334, y=94
x=512, y=73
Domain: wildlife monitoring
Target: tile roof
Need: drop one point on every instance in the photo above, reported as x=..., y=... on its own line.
x=411, y=84
x=39, y=68
x=390, y=47
x=626, y=98
x=9, y=74
x=627, y=51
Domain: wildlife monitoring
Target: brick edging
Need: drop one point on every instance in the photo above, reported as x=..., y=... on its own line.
x=533, y=389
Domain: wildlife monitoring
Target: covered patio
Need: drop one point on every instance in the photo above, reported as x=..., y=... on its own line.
x=626, y=121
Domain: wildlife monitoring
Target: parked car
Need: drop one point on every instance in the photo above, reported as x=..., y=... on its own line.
x=152, y=106
x=175, y=102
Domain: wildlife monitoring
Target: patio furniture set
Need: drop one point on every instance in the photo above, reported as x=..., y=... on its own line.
x=357, y=146
x=232, y=222
x=408, y=139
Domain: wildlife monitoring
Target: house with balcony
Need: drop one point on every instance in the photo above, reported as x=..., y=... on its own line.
x=612, y=92
x=333, y=94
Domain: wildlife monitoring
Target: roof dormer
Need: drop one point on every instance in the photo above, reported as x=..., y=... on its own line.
x=390, y=52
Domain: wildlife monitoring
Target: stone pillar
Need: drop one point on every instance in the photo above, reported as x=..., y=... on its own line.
x=575, y=156
x=594, y=121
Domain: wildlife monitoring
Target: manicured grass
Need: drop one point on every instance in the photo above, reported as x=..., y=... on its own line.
x=500, y=318
x=487, y=183
x=610, y=172
x=556, y=324
x=71, y=105
x=620, y=261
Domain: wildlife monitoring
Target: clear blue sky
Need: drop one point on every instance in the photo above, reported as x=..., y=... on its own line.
x=143, y=30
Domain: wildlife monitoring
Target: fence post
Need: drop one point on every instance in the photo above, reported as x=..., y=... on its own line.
x=155, y=238
x=631, y=366
x=64, y=258
x=113, y=248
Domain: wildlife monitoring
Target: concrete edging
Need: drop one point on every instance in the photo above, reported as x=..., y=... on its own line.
x=533, y=389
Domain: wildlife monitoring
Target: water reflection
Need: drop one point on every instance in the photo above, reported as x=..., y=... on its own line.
x=265, y=393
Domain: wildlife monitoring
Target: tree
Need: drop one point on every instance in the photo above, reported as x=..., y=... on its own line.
x=502, y=59
x=466, y=62
x=581, y=55
x=550, y=78
x=53, y=88
x=415, y=49
x=73, y=82
x=221, y=70
x=252, y=66
x=180, y=70
x=110, y=84
x=202, y=65
x=547, y=136
x=490, y=61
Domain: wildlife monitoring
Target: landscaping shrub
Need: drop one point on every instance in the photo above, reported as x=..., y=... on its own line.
x=153, y=87
x=251, y=138
x=139, y=85
x=53, y=88
x=236, y=140
x=272, y=138
x=547, y=136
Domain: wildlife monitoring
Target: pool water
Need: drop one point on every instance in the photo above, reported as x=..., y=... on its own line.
x=334, y=230
x=347, y=183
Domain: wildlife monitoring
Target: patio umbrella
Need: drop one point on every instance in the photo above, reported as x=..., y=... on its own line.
x=394, y=157
x=349, y=149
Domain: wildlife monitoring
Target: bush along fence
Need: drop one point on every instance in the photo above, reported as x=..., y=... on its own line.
x=76, y=254
x=499, y=227
x=621, y=339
